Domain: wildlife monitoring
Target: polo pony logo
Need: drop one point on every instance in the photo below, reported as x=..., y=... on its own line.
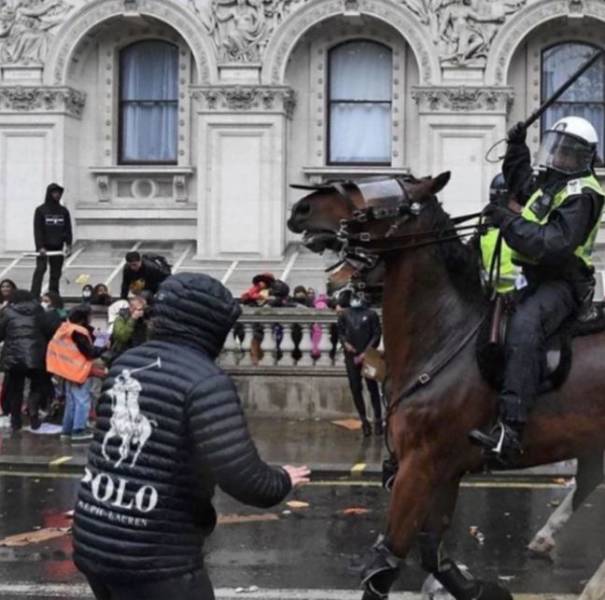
x=127, y=421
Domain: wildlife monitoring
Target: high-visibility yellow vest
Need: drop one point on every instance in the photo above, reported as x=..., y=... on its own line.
x=574, y=186
x=504, y=278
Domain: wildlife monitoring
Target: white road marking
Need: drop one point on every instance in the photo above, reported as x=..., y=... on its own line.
x=83, y=592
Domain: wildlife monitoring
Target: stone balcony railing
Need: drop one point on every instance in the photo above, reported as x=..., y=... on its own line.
x=281, y=341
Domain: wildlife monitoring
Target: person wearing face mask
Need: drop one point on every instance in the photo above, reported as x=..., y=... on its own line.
x=87, y=294
x=52, y=233
x=358, y=330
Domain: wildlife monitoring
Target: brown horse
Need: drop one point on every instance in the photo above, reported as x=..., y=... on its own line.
x=433, y=306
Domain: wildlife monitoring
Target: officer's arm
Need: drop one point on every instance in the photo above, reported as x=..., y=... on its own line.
x=568, y=226
x=517, y=171
x=224, y=446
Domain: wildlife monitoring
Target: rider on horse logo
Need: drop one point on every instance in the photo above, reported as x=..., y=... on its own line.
x=552, y=241
x=127, y=421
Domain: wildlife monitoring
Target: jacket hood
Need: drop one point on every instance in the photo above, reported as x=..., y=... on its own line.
x=196, y=309
x=53, y=187
x=25, y=308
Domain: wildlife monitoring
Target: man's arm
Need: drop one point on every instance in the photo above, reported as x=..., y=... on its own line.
x=376, y=330
x=85, y=346
x=568, y=226
x=223, y=445
x=68, y=230
x=517, y=171
x=39, y=229
x=125, y=283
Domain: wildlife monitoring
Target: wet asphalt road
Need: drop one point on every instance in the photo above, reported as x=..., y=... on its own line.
x=318, y=546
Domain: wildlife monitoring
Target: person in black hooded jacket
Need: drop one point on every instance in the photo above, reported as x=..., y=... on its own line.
x=24, y=333
x=52, y=233
x=170, y=427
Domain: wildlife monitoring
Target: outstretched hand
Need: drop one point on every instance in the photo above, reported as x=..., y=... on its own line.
x=298, y=475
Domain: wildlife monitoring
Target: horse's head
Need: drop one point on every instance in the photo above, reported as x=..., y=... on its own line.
x=336, y=214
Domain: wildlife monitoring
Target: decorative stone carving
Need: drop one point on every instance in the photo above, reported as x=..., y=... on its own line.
x=103, y=188
x=463, y=30
x=27, y=28
x=241, y=29
x=246, y=98
x=47, y=99
x=462, y=98
x=180, y=188
x=94, y=12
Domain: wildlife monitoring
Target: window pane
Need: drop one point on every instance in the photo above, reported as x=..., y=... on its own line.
x=149, y=106
x=149, y=71
x=149, y=133
x=585, y=98
x=561, y=61
x=360, y=133
x=360, y=71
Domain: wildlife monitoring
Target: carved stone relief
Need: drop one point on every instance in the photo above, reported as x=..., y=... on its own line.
x=241, y=29
x=48, y=99
x=462, y=98
x=463, y=30
x=27, y=28
x=246, y=98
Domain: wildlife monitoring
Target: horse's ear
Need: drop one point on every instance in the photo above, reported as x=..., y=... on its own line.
x=439, y=182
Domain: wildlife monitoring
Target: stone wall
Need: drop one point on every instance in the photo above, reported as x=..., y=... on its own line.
x=252, y=112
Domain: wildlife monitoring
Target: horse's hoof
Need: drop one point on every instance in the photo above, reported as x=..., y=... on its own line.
x=542, y=546
x=492, y=591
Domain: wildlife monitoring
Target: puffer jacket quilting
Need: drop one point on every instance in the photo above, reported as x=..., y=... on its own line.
x=23, y=329
x=145, y=517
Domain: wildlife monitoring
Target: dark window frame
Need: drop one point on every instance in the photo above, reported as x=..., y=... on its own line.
x=330, y=102
x=569, y=103
x=122, y=104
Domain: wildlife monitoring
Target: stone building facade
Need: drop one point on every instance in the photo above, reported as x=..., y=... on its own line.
x=254, y=94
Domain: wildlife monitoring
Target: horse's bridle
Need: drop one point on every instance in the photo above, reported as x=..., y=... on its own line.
x=383, y=200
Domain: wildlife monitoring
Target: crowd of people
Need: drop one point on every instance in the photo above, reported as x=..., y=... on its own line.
x=60, y=353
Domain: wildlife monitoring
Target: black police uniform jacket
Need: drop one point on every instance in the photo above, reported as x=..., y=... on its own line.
x=173, y=427
x=568, y=226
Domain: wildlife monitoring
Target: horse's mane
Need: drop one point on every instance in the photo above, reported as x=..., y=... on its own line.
x=460, y=258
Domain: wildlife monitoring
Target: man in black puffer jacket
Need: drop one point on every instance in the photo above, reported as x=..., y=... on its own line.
x=24, y=331
x=170, y=427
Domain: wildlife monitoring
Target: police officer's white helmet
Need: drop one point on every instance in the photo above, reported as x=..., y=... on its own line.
x=568, y=147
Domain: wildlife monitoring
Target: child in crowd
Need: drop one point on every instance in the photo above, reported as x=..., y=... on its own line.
x=70, y=355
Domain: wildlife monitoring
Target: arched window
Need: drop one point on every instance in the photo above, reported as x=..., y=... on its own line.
x=360, y=98
x=148, y=103
x=586, y=97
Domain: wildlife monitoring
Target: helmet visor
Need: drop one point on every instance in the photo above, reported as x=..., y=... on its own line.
x=565, y=153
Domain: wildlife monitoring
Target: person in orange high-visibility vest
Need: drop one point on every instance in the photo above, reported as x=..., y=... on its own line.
x=70, y=355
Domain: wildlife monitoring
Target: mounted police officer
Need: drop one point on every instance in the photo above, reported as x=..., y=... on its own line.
x=552, y=240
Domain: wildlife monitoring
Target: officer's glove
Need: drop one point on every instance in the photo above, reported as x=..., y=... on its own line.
x=517, y=133
x=67, y=251
x=498, y=216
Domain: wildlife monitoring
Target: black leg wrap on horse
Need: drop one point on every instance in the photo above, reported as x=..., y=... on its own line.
x=380, y=571
x=445, y=570
x=389, y=472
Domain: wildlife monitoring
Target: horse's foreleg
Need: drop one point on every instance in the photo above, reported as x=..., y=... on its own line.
x=589, y=476
x=411, y=499
x=460, y=585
